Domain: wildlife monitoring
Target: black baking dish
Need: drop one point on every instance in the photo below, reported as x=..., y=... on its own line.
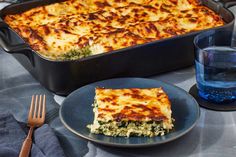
x=62, y=77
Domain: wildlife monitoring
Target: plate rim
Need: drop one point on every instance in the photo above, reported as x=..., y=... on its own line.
x=131, y=145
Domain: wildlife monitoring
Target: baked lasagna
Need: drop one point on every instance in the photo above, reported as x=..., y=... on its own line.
x=73, y=29
x=131, y=112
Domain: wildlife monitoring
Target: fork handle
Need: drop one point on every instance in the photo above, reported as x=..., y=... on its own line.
x=26, y=146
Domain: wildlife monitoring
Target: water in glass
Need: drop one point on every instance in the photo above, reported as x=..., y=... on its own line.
x=216, y=74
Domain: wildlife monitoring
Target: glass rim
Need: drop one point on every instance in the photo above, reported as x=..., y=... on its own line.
x=207, y=34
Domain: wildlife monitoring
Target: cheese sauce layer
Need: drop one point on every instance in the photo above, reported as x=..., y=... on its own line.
x=75, y=29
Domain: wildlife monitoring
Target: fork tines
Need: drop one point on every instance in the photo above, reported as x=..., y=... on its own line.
x=37, y=108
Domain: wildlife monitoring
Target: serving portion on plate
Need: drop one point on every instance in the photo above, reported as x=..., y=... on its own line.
x=76, y=112
x=75, y=29
x=131, y=112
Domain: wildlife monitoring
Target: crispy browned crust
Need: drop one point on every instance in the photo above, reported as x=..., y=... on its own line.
x=133, y=104
x=114, y=24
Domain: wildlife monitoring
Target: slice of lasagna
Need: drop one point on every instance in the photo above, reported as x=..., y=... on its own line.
x=131, y=112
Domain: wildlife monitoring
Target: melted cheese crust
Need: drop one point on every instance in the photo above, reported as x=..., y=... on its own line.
x=133, y=104
x=58, y=28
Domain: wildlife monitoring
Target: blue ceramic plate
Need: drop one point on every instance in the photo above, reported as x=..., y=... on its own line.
x=76, y=112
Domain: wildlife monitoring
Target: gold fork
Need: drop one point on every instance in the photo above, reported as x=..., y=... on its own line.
x=36, y=118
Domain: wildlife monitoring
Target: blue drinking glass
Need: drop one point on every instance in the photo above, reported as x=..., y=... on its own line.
x=215, y=64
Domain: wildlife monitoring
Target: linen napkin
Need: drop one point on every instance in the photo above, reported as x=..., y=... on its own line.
x=13, y=133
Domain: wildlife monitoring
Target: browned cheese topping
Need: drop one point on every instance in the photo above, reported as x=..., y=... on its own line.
x=107, y=25
x=134, y=104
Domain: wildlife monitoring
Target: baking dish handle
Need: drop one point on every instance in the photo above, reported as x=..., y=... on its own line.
x=227, y=3
x=6, y=45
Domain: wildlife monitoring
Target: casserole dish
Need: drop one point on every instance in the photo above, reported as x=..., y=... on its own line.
x=62, y=77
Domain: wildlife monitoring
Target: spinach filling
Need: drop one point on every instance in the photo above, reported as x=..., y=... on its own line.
x=130, y=128
x=75, y=54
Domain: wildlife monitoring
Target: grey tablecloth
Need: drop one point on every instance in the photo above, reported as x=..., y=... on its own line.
x=214, y=135
x=13, y=133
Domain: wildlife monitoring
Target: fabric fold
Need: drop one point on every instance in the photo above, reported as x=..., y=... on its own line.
x=13, y=133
